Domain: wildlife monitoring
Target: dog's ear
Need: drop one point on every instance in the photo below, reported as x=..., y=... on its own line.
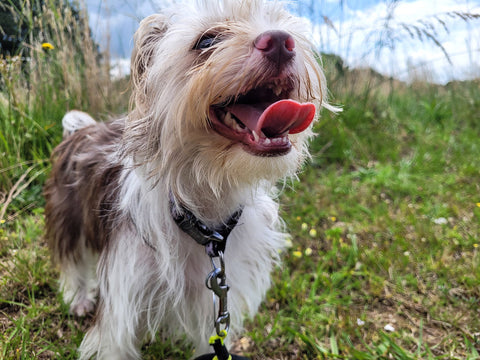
x=151, y=30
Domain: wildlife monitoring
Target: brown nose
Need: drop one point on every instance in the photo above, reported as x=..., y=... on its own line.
x=278, y=46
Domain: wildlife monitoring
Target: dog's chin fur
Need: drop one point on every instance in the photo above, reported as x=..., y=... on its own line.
x=108, y=216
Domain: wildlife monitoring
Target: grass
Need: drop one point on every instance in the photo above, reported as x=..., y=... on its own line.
x=390, y=236
x=384, y=260
x=37, y=86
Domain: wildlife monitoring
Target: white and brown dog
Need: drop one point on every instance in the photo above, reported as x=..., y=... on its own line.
x=224, y=95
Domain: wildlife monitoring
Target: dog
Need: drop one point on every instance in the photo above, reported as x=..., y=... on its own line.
x=224, y=97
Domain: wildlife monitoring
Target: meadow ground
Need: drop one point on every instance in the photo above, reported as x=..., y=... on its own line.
x=384, y=261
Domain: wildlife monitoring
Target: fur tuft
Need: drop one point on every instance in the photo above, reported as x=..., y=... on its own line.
x=75, y=120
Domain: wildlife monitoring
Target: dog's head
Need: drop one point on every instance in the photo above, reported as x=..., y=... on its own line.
x=228, y=88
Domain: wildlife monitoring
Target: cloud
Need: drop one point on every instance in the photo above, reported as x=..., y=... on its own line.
x=115, y=22
x=397, y=39
x=120, y=67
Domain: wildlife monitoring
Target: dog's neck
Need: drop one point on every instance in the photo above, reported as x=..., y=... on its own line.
x=213, y=205
x=212, y=208
x=213, y=238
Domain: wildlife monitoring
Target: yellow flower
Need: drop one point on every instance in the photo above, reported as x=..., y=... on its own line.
x=333, y=218
x=312, y=232
x=308, y=251
x=2, y=221
x=297, y=254
x=47, y=46
x=478, y=204
x=475, y=246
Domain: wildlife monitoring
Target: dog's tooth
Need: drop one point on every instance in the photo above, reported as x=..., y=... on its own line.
x=238, y=127
x=267, y=141
x=229, y=121
x=279, y=140
x=233, y=123
x=255, y=136
x=278, y=90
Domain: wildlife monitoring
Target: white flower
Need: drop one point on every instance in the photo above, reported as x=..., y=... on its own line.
x=360, y=322
x=389, y=328
x=440, y=221
x=288, y=242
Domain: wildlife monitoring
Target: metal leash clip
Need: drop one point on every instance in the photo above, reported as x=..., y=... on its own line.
x=217, y=282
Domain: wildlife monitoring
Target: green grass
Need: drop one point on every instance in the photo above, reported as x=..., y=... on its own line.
x=35, y=94
x=368, y=247
x=385, y=225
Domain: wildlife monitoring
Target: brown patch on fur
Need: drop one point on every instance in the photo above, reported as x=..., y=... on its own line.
x=81, y=191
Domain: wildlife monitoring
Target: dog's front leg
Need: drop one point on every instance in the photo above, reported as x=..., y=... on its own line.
x=128, y=306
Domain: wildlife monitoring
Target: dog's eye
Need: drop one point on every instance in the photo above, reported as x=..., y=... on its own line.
x=206, y=41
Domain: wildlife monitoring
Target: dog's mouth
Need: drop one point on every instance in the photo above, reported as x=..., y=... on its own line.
x=262, y=119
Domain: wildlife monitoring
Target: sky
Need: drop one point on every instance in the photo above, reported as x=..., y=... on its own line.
x=390, y=36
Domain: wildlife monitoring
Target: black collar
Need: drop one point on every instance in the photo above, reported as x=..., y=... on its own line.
x=214, y=239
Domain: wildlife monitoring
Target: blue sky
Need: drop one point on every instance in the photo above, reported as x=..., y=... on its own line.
x=353, y=30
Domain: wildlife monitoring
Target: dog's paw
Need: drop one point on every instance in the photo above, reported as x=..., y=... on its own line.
x=82, y=307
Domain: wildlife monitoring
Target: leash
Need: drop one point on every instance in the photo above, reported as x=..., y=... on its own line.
x=214, y=241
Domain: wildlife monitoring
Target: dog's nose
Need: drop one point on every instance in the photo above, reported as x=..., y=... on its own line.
x=278, y=46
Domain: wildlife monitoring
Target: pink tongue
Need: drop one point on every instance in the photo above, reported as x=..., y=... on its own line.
x=276, y=119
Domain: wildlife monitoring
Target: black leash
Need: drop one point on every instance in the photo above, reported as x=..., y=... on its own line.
x=214, y=241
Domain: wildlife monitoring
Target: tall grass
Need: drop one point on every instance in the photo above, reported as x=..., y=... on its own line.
x=38, y=85
x=387, y=120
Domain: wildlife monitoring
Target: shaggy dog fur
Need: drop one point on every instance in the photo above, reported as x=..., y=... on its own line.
x=196, y=74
